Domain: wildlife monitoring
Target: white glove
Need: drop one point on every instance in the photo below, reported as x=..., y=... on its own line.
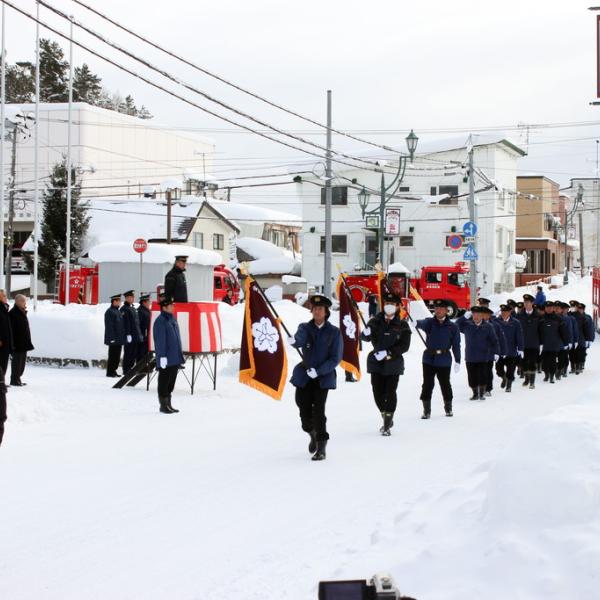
x=468, y=314
x=567, y=347
x=129, y=338
x=456, y=367
x=163, y=362
x=291, y=340
x=312, y=373
x=367, y=331
x=520, y=353
x=381, y=354
x=542, y=348
x=496, y=357
x=588, y=344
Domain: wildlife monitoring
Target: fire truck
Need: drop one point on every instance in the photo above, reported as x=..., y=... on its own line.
x=596, y=297
x=433, y=282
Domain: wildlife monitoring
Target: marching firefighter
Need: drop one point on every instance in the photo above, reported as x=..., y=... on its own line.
x=442, y=341
x=562, y=311
x=131, y=330
x=175, y=282
x=577, y=335
x=488, y=317
x=6, y=339
x=321, y=345
x=144, y=316
x=481, y=341
x=585, y=337
x=531, y=326
x=390, y=336
x=512, y=333
x=554, y=338
x=114, y=335
x=169, y=355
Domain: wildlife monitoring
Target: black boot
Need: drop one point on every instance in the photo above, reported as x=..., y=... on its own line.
x=504, y=382
x=526, y=382
x=448, y=409
x=388, y=423
x=312, y=445
x=552, y=378
x=532, y=381
x=509, y=385
x=320, y=453
x=482, y=392
x=164, y=405
x=546, y=376
x=475, y=395
x=426, y=409
x=169, y=404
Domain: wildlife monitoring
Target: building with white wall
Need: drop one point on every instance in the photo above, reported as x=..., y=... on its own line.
x=439, y=169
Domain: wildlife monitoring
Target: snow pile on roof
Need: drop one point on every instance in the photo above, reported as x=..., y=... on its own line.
x=269, y=258
x=156, y=254
x=515, y=262
x=171, y=183
x=290, y=279
x=397, y=267
x=250, y=212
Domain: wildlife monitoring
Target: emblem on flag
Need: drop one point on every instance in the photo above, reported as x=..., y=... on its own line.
x=349, y=328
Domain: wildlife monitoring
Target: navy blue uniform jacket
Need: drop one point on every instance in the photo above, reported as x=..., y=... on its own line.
x=441, y=335
x=144, y=319
x=167, y=341
x=393, y=336
x=322, y=349
x=114, y=333
x=531, y=325
x=131, y=323
x=554, y=333
x=513, y=335
x=481, y=340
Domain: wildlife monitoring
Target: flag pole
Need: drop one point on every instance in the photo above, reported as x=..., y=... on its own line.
x=351, y=297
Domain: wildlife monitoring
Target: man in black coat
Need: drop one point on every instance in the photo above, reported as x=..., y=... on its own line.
x=114, y=335
x=131, y=331
x=554, y=339
x=532, y=340
x=5, y=333
x=21, y=334
x=175, y=283
x=144, y=315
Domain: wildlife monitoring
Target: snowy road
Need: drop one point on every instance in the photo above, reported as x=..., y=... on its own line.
x=103, y=497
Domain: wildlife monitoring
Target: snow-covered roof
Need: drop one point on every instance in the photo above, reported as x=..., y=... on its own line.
x=397, y=267
x=235, y=211
x=268, y=258
x=156, y=254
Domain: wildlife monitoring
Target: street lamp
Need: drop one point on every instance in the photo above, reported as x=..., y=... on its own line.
x=411, y=143
x=363, y=200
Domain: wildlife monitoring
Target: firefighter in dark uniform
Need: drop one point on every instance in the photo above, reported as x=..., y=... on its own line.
x=114, y=335
x=554, y=339
x=481, y=341
x=390, y=336
x=321, y=346
x=562, y=310
x=442, y=341
x=175, y=283
x=574, y=316
x=6, y=339
x=530, y=324
x=512, y=333
x=488, y=317
x=144, y=315
x=586, y=337
x=131, y=330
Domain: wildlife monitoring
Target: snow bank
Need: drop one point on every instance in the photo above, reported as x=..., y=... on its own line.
x=156, y=253
x=269, y=258
x=397, y=267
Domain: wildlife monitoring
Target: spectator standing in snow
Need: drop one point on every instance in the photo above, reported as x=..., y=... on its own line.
x=144, y=321
x=540, y=297
x=113, y=335
x=390, y=336
x=5, y=333
x=175, y=283
x=21, y=334
x=2, y=405
x=131, y=330
x=322, y=347
x=442, y=341
x=169, y=355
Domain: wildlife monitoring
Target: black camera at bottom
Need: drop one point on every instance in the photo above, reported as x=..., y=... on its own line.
x=380, y=587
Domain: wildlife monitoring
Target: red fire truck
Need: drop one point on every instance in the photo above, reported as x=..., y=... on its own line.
x=596, y=297
x=449, y=282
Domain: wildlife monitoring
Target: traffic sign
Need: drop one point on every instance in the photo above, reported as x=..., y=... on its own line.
x=140, y=245
x=470, y=253
x=470, y=229
x=455, y=241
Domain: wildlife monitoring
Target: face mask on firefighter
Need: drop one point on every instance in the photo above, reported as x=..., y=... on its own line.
x=389, y=309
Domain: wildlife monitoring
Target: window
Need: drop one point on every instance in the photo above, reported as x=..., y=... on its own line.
x=499, y=246
x=406, y=241
x=218, y=241
x=339, y=195
x=218, y=283
x=457, y=279
x=372, y=244
x=404, y=188
x=451, y=190
x=553, y=261
x=433, y=190
x=198, y=240
x=278, y=238
x=510, y=236
x=338, y=244
x=548, y=222
x=433, y=277
x=501, y=200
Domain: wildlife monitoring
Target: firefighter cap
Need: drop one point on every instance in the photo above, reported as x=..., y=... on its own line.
x=581, y=305
x=573, y=303
x=511, y=302
x=144, y=297
x=486, y=310
x=483, y=301
x=440, y=303
x=548, y=303
x=477, y=309
x=319, y=300
x=520, y=305
x=129, y=293
x=505, y=308
x=166, y=302
x=391, y=298
x=115, y=297
x=528, y=297
x=181, y=257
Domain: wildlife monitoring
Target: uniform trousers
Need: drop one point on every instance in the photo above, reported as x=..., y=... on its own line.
x=114, y=356
x=443, y=376
x=4, y=356
x=549, y=362
x=2, y=407
x=573, y=357
x=166, y=381
x=477, y=373
x=384, y=391
x=311, y=402
x=580, y=354
x=141, y=350
x=489, y=376
x=17, y=367
x=129, y=356
x=563, y=359
x=505, y=367
x=530, y=359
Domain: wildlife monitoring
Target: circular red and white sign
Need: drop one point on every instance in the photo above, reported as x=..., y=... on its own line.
x=140, y=245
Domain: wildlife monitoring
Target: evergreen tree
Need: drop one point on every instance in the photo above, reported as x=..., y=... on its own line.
x=54, y=226
x=20, y=83
x=86, y=86
x=53, y=73
x=128, y=107
x=144, y=113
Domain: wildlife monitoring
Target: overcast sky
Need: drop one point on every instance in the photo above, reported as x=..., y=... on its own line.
x=391, y=66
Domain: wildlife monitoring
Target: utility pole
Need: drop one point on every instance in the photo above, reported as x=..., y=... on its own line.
x=473, y=218
x=36, y=165
x=328, y=248
x=69, y=174
x=582, y=266
x=168, y=216
x=381, y=232
x=2, y=135
x=11, y=212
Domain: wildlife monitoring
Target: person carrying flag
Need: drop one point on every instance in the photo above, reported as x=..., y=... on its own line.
x=321, y=345
x=442, y=338
x=390, y=336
